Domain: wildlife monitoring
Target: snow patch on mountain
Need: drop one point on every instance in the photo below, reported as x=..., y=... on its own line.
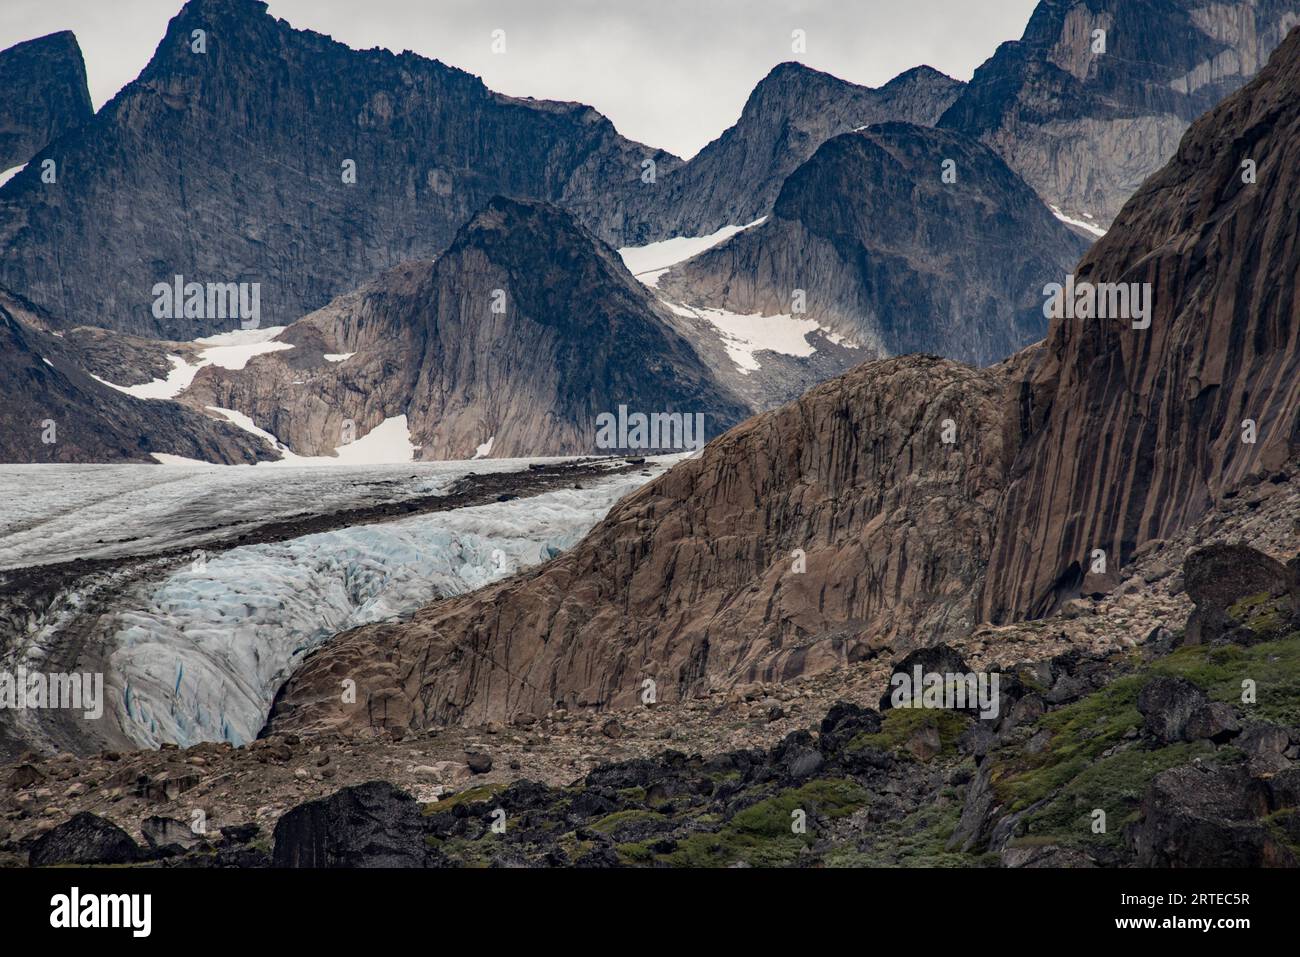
x=652, y=260
x=1090, y=227
x=388, y=442
x=746, y=336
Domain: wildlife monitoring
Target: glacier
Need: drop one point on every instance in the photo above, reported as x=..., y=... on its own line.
x=200, y=655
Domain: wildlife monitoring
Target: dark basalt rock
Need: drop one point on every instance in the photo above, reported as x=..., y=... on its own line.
x=1219, y=576
x=938, y=659
x=1167, y=705
x=1202, y=817
x=84, y=839
x=369, y=825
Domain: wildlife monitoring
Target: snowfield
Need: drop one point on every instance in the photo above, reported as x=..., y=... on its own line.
x=742, y=336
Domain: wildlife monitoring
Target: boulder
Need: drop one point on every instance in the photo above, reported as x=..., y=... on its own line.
x=85, y=839
x=368, y=825
x=1167, y=705
x=478, y=762
x=1218, y=577
x=1215, y=722
x=161, y=831
x=1205, y=817
x=939, y=659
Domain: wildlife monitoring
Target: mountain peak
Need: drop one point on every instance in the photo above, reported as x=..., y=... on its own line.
x=43, y=94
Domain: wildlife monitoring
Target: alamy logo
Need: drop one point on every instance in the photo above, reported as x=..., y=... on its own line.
x=23, y=690
x=1103, y=300
x=214, y=300
x=954, y=692
x=73, y=910
x=658, y=430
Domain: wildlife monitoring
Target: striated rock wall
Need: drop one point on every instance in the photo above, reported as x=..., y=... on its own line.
x=1132, y=433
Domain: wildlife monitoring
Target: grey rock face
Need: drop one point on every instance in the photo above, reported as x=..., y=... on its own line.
x=575, y=336
x=791, y=112
x=1086, y=128
x=43, y=95
x=892, y=256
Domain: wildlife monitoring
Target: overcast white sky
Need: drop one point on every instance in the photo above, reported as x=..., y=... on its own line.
x=670, y=73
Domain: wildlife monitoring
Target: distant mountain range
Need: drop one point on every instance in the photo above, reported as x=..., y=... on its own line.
x=1095, y=96
x=270, y=174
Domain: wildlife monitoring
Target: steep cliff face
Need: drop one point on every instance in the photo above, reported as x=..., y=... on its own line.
x=521, y=334
x=889, y=254
x=1085, y=127
x=791, y=112
x=228, y=166
x=43, y=95
x=53, y=411
x=810, y=535
x=1130, y=433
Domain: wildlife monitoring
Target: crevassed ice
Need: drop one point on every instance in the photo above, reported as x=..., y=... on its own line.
x=201, y=655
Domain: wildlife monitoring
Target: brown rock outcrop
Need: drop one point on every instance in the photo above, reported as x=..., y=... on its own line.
x=820, y=531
